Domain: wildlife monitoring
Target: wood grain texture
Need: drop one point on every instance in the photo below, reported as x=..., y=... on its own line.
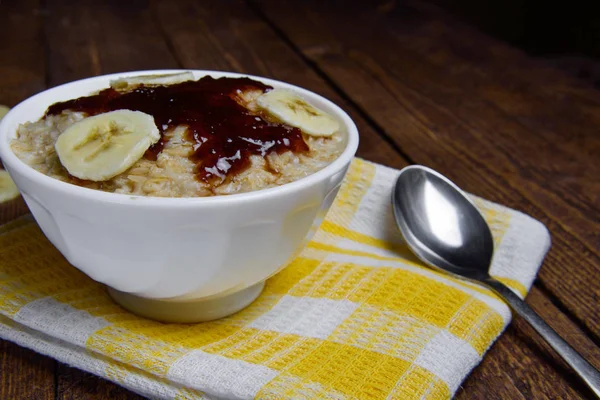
x=88, y=38
x=12, y=209
x=74, y=384
x=401, y=83
x=21, y=50
x=430, y=98
x=521, y=365
x=24, y=374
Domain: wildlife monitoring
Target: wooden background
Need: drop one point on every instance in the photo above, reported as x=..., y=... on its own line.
x=422, y=87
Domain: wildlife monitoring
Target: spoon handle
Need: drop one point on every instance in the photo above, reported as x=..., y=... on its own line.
x=584, y=369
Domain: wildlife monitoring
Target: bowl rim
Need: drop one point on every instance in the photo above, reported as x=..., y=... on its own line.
x=12, y=162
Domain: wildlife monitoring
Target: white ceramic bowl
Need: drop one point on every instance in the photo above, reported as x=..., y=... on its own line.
x=161, y=255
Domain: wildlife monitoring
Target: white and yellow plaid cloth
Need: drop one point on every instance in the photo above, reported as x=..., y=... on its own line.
x=354, y=316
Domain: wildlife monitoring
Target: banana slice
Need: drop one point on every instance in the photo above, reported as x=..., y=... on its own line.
x=294, y=110
x=165, y=79
x=101, y=147
x=3, y=111
x=8, y=189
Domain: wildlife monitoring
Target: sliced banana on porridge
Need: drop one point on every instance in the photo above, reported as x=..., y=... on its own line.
x=294, y=110
x=8, y=189
x=164, y=79
x=216, y=139
x=3, y=111
x=103, y=146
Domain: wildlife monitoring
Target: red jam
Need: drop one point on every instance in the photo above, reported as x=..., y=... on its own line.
x=225, y=134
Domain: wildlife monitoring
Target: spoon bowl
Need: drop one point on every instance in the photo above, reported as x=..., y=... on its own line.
x=443, y=227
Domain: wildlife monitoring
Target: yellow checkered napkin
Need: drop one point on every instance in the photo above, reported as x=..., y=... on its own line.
x=355, y=316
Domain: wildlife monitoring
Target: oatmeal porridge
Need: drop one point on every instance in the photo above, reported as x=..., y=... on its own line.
x=192, y=138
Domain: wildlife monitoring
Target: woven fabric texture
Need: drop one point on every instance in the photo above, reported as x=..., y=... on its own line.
x=354, y=316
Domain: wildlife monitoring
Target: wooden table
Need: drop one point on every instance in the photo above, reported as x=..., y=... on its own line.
x=421, y=86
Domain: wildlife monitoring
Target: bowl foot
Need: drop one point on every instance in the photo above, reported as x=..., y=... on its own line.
x=189, y=311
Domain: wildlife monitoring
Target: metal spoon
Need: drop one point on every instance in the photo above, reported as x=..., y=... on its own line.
x=446, y=231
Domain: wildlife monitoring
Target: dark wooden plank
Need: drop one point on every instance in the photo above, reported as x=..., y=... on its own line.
x=24, y=374
x=22, y=50
x=12, y=209
x=437, y=116
x=75, y=384
x=554, y=90
x=93, y=38
x=490, y=379
x=537, y=363
x=500, y=89
x=569, y=330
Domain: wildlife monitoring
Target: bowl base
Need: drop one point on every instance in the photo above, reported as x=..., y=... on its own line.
x=200, y=310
